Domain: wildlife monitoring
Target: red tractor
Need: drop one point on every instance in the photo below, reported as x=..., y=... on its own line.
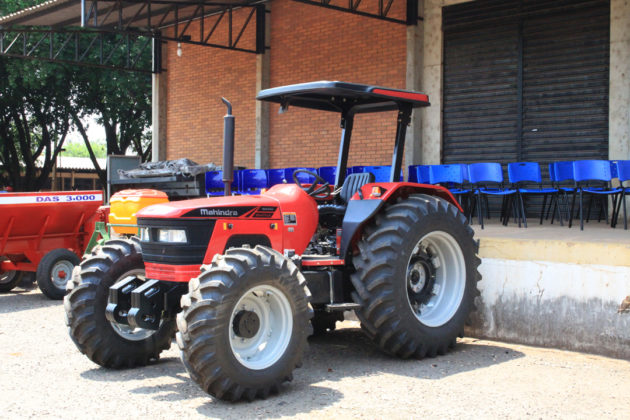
x=242, y=281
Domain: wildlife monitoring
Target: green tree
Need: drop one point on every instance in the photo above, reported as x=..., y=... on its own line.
x=40, y=102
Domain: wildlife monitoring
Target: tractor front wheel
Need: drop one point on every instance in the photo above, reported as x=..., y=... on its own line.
x=244, y=323
x=416, y=277
x=106, y=343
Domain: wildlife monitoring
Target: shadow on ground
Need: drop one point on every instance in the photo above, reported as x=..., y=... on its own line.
x=345, y=353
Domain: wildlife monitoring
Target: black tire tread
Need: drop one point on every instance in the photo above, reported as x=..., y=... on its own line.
x=379, y=251
x=206, y=309
x=88, y=328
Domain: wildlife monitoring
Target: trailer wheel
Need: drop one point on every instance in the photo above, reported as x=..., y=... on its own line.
x=106, y=343
x=9, y=280
x=244, y=324
x=54, y=271
x=416, y=277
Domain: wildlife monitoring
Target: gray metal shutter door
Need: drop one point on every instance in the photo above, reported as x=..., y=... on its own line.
x=565, y=85
x=480, y=94
x=559, y=48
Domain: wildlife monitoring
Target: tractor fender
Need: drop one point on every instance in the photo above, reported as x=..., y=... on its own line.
x=364, y=205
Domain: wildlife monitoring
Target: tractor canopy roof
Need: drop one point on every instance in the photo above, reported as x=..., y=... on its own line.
x=343, y=97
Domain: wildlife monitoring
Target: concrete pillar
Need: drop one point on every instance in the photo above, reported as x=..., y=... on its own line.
x=619, y=94
x=158, y=113
x=262, y=108
x=431, y=83
x=415, y=37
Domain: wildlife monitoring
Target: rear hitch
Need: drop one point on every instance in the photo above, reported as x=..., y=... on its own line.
x=143, y=304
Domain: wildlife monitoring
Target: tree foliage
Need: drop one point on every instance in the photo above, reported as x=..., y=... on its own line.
x=41, y=102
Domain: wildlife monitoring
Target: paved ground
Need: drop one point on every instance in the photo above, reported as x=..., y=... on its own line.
x=42, y=375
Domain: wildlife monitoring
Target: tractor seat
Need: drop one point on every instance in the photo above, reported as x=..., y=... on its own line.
x=350, y=186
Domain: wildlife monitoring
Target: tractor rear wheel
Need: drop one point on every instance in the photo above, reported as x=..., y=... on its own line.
x=244, y=323
x=54, y=271
x=416, y=277
x=9, y=280
x=106, y=343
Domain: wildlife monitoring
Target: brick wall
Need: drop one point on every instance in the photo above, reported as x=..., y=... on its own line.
x=196, y=81
x=307, y=43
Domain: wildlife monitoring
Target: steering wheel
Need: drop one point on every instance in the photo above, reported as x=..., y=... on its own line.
x=318, y=189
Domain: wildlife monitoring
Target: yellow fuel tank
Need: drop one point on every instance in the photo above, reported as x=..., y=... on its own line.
x=125, y=204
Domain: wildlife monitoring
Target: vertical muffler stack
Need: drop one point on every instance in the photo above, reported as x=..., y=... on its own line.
x=228, y=148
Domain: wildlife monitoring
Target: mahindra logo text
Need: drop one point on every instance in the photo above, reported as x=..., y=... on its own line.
x=218, y=212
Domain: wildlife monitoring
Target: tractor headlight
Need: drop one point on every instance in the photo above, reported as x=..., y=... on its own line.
x=145, y=235
x=172, y=235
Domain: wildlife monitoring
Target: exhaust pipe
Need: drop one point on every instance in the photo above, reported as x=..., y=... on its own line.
x=228, y=148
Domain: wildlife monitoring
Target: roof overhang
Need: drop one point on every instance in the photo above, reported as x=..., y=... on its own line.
x=152, y=15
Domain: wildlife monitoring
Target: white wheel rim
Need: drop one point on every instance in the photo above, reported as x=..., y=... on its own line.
x=127, y=331
x=442, y=286
x=60, y=273
x=271, y=340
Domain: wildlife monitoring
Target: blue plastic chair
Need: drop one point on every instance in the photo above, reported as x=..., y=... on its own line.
x=623, y=173
x=253, y=181
x=487, y=180
x=522, y=175
x=328, y=173
x=215, y=185
x=275, y=176
x=593, y=177
x=419, y=174
x=304, y=178
x=452, y=177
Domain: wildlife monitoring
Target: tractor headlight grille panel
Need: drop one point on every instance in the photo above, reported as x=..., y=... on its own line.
x=145, y=234
x=172, y=235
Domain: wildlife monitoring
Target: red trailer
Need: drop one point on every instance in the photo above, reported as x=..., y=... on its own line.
x=45, y=234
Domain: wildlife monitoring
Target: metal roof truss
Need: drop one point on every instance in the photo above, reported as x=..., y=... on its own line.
x=116, y=33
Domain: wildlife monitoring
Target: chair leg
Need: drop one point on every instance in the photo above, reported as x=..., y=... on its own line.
x=572, y=209
x=625, y=216
x=480, y=211
x=543, y=208
x=581, y=213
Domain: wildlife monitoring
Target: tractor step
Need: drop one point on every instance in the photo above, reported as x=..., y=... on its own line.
x=340, y=307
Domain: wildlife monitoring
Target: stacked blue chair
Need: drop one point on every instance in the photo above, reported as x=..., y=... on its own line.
x=588, y=172
x=452, y=177
x=381, y=173
x=487, y=179
x=304, y=178
x=253, y=181
x=275, y=176
x=215, y=185
x=521, y=174
x=419, y=174
x=623, y=173
x=328, y=173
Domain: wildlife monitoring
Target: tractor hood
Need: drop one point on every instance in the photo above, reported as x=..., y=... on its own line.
x=215, y=207
x=283, y=197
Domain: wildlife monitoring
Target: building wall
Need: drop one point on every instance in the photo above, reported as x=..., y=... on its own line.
x=312, y=43
x=307, y=43
x=196, y=82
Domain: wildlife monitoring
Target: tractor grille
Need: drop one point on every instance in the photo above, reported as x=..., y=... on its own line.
x=198, y=234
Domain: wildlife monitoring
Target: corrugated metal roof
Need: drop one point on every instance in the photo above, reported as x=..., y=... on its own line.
x=79, y=163
x=67, y=13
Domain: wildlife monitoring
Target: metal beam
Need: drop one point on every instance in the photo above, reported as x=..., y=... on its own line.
x=383, y=13
x=103, y=49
